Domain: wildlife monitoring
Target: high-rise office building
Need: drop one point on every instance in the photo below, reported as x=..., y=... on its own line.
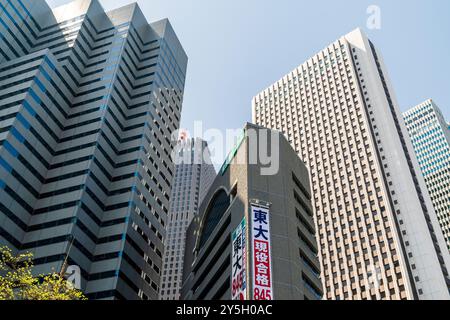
x=378, y=233
x=253, y=238
x=194, y=173
x=88, y=103
x=430, y=136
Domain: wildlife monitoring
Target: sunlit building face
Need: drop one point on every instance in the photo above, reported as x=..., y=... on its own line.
x=377, y=230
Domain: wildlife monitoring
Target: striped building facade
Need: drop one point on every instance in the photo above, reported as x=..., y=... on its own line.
x=194, y=174
x=88, y=103
x=378, y=233
x=430, y=137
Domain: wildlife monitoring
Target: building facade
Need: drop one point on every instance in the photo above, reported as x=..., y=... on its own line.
x=194, y=173
x=88, y=103
x=430, y=136
x=378, y=233
x=221, y=258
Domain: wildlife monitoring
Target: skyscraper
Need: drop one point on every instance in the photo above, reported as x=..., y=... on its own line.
x=89, y=100
x=194, y=173
x=430, y=137
x=253, y=238
x=378, y=234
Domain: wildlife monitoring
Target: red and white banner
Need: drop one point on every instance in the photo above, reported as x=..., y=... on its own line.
x=239, y=263
x=262, y=264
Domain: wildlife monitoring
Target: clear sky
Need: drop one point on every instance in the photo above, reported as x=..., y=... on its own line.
x=236, y=48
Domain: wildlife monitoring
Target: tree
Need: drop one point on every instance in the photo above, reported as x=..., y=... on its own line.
x=18, y=283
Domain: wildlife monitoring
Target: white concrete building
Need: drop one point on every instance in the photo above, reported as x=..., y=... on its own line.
x=378, y=233
x=430, y=135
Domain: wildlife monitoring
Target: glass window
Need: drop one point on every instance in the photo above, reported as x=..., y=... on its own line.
x=216, y=209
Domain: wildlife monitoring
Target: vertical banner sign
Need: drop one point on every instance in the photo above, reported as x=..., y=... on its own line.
x=239, y=260
x=262, y=265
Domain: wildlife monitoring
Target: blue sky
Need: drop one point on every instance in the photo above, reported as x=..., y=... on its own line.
x=236, y=48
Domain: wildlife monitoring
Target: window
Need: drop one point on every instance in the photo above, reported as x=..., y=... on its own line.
x=219, y=204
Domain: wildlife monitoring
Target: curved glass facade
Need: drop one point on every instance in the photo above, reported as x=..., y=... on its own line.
x=217, y=208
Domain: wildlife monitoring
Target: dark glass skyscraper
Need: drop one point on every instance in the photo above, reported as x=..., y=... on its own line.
x=88, y=103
